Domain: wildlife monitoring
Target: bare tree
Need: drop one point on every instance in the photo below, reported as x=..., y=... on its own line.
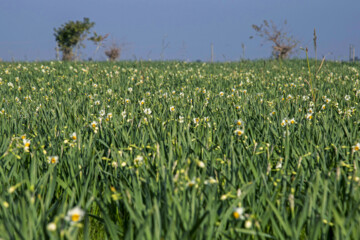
x=98, y=40
x=113, y=52
x=283, y=44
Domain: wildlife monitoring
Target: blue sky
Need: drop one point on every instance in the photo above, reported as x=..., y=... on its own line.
x=188, y=26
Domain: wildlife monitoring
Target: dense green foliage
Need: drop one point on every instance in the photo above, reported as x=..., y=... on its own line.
x=171, y=150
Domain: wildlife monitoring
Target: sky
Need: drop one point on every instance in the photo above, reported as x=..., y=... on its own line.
x=186, y=27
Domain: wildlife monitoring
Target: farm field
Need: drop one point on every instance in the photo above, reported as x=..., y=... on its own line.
x=174, y=150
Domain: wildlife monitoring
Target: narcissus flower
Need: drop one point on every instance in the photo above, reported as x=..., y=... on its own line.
x=147, y=111
x=309, y=116
x=239, y=132
x=26, y=144
x=356, y=147
x=239, y=122
x=93, y=124
x=239, y=213
x=172, y=109
x=73, y=136
x=53, y=159
x=75, y=215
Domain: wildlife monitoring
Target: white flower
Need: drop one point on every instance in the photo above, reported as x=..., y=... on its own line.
x=73, y=136
x=114, y=164
x=196, y=120
x=356, y=147
x=239, y=132
x=138, y=160
x=239, y=213
x=26, y=144
x=181, y=119
x=347, y=97
x=201, y=164
x=109, y=116
x=239, y=122
x=147, y=111
x=102, y=112
x=130, y=89
x=51, y=227
x=75, y=215
x=93, y=124
x=97, y=102
x=191, y=183
x=309, y=116
x=223, y=197
x=248, y=224
x=53, y=159
x=172, y=109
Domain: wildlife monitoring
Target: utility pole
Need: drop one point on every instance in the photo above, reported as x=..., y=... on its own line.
x=350, y=52
x=57, y=53
x=243, y=51
x=212, y=52
x=353, y=54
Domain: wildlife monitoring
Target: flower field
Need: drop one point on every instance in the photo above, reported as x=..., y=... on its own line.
x=173, y=150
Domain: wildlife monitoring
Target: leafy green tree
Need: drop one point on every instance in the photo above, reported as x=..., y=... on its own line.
x=71, y=35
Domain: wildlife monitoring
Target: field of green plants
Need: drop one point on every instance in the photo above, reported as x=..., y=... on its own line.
x=175, y=150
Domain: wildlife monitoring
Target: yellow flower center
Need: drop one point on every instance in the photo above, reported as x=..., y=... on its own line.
x=53, y=160
x=236, y=215
x=238, y=123
x=75, y=217
x=27, y=144
x=73, y=137
x=239, y=132
x=93, y=125
x=356, y=148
